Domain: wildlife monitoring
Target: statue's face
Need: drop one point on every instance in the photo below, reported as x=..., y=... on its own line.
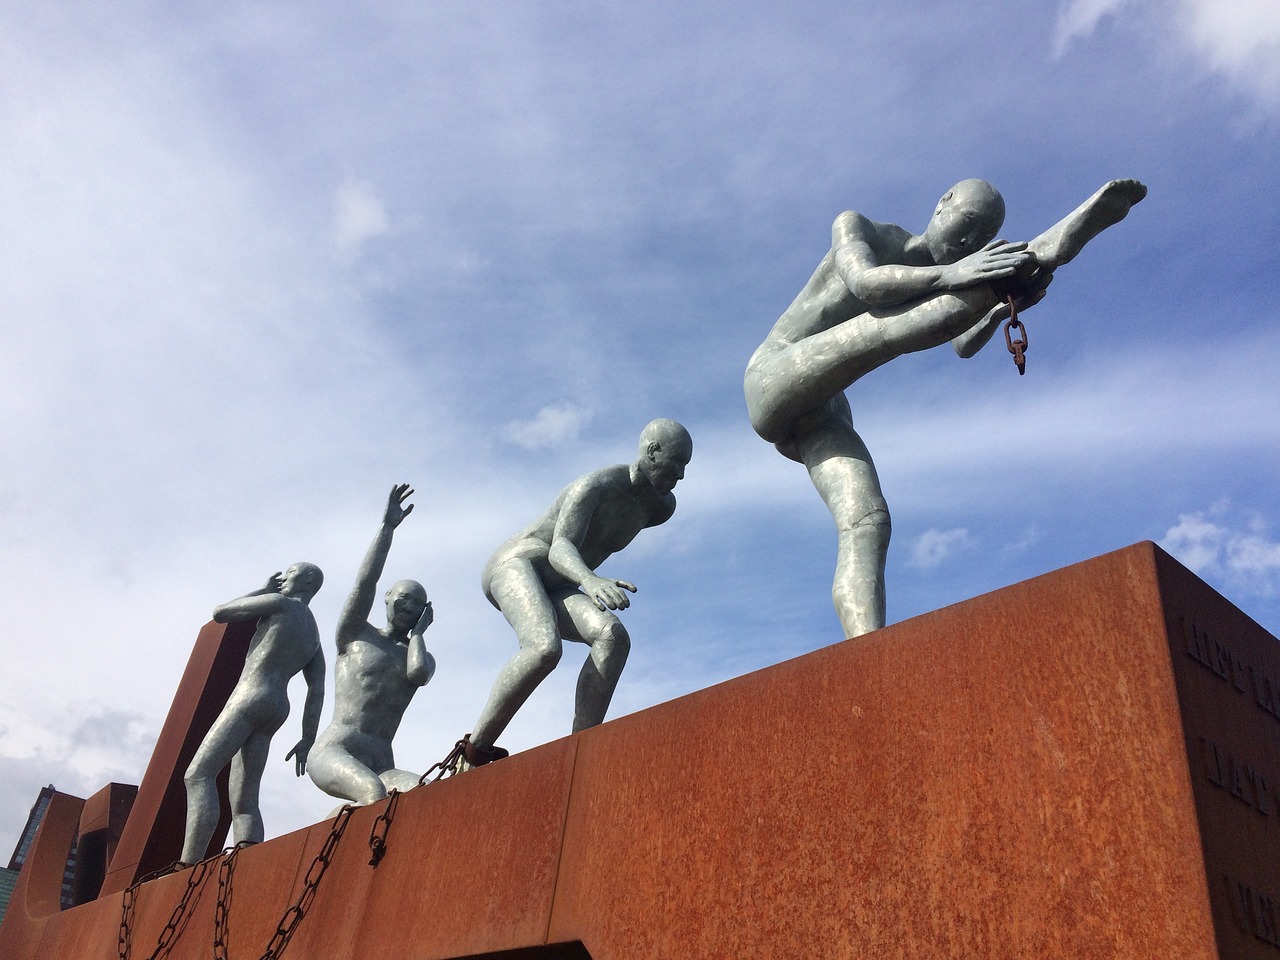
x=664, y=465
x=298, y=580
x=405, y=602
x=966, y=219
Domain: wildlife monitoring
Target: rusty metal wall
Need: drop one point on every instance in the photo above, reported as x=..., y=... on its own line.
x=1020, y=775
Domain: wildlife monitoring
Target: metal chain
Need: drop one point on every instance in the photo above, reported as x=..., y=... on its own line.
x=127, y=903
x=449, y=765
x=125, y=938
x=222, y=909
x=1017, y=347
x=381, y=827
x=293, y=916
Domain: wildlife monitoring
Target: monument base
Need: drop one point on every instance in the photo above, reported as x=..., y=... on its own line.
x=1081, y=765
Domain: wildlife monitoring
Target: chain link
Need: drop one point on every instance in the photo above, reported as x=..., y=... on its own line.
x=293, y=916
x=449, y=765
x=164, y=943
x=222, y=908
x=125, y=938
x=381, y=827
x=1017, y=347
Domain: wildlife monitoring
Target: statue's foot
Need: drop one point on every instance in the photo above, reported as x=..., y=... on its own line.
x=477, y=756
x=1111, y=204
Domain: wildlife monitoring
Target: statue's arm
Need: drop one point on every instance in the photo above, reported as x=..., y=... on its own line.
x=977, y=336
x=565, y=556
x=852, y=244
x=853, y=238
x=574, y=519
x=355, y=612
x=262, y=602
x=313, y=673
x=420, y=665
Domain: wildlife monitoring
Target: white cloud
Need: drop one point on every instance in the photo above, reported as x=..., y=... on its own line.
x=934, y=546
x=1079, y=18
x=359, y=215
x=1238, y=40
x=1241, y=556
x=552, y=426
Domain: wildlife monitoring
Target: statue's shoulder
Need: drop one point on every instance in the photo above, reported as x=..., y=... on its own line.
x=613, y=477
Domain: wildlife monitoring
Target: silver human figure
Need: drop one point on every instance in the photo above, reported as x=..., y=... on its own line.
x=545, y=583
x=881, y=292
x=285, y=643
x=376, y=675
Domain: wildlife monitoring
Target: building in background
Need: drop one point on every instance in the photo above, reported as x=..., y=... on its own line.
x=9, y=875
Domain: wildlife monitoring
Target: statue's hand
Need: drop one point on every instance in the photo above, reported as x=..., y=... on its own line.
x=299, y=755
x=997, y=260
x=428, y=617
x=607, y=594
x=274, y=582
x=396, y=510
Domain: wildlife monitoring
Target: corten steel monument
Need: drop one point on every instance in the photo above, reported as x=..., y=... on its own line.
x=880, y=292
x=1077, y=767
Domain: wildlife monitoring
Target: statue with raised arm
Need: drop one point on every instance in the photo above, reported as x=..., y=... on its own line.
x=881, y=292
x=285, y=643
x=544, y=581
x=377, y=673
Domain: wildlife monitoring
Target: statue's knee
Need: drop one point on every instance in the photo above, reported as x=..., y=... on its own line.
x=615, y=638
x=546, y=652
x=197, y=774
x=765, y=408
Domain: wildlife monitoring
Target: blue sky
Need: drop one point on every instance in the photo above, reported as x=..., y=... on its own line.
x=259, y=264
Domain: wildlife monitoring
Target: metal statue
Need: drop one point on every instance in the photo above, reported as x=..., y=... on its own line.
x=285, y=643
x=881, y=292
x=545, y=583
x=377, y=673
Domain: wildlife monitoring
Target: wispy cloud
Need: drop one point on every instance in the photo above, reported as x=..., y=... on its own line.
x=934, y=546
x=1237, y=40
x=1079, y=18
x=552, y=426
x=359, y=215
x=1229, y=546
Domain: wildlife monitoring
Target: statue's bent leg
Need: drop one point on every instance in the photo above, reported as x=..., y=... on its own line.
x=787, y=381
x=338, y=773
x=402, y=780
x=245, y=784
x=517, y=590
x=841, y=469
x=583, y=621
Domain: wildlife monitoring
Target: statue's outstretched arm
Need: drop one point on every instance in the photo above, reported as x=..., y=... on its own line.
x=262, y=602
x=355, y=612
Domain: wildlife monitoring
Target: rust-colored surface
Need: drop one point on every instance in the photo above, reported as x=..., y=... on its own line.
x=1228, y=678
x=1002, y=778
x=101, y=822
x=37, y=895
x=152, y=835
x=1041, y=772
